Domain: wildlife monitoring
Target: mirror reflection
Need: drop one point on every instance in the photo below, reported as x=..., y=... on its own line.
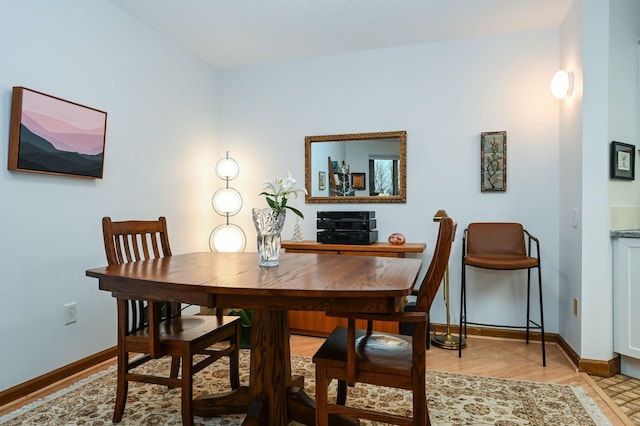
x=356, y=168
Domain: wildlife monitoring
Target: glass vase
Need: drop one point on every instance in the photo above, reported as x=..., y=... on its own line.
x=268, y=223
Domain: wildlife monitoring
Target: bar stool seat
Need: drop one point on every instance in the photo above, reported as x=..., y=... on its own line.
x=501, y=262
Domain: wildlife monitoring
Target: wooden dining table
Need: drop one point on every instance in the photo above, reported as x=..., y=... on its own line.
x=315, y=282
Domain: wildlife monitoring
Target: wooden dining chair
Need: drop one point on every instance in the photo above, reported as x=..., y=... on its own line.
x=501, y=246
x=155, y=328
x=355, y=356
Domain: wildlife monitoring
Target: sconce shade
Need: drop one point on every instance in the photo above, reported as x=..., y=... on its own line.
x=227, y=238
x=227, y=168
x=561, y=84
x=227, y=201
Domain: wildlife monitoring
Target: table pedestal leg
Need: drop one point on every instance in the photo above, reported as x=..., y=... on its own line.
x=271, y=362
x=234, y=402
x=273, y=398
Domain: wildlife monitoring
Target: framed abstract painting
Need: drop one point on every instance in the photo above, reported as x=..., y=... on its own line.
x=54, y=136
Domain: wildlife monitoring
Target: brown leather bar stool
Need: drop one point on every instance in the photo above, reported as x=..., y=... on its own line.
x=501, y=246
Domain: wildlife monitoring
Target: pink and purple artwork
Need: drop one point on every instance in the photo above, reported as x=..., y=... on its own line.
x=52, y=135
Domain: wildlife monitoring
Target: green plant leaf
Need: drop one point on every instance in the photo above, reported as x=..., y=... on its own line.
x=296, y=211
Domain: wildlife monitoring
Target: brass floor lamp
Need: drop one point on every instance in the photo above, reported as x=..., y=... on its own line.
x=446, y=340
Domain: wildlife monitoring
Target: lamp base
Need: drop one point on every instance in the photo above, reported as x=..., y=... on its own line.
x=447, y=341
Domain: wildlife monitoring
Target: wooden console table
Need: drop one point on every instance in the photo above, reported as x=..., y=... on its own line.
x=317, y=323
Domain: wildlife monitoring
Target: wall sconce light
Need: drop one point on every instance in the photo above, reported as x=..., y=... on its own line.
x=227, y=202
x=562, y=84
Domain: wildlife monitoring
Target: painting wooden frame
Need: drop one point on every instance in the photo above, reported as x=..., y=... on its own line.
x=493, y=161
x=358, y=181
x=622, y=164
x=54, y=136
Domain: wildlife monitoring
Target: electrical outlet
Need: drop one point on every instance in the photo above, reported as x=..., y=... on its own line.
x=70, y=313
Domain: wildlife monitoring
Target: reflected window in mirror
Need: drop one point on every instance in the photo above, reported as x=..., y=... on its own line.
x=383, y=176
x=356, y=168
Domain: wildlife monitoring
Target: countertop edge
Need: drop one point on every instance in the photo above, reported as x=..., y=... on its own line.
x=625, y=233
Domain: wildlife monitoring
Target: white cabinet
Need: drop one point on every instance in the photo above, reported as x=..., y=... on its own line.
x=626, y=303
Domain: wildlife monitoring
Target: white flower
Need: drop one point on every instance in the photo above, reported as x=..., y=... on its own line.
x=276, y=192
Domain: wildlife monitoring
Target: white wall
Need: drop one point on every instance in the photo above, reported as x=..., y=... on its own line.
x=600, y=46
x=623, y=118
x=570, y=184
x=599, y=42
x=160, y=152
x=624, y=32
x=444, y=95
x=597, y=301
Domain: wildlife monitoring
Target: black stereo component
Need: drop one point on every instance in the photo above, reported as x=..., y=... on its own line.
x=348, y=237
x=347, y=227
x=346, y=215
x=355, y=224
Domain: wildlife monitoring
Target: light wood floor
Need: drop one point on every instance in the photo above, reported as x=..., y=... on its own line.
x=483, y=356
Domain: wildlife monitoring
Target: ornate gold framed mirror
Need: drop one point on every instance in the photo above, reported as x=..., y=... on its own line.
x=356, y=168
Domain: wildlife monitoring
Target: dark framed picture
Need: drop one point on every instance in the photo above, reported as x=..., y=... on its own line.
x=358, y=181
x=493, y=161
x=622, y=162
x=54, y=136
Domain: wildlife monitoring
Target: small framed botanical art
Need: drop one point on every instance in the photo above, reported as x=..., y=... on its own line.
x=493, y=161
x=358, y=181
x=322, y=180
x=54, y=136
x=622, y=162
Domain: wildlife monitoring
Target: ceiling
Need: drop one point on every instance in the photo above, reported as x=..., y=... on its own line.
x=238, y=33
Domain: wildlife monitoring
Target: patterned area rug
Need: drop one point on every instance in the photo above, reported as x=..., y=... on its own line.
x=454, y=399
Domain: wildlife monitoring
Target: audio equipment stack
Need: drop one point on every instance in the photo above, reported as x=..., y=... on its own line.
x=347, y=227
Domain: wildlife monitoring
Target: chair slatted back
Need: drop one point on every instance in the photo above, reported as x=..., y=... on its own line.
x=438, y=265
x=135, y=240
x=132, y=241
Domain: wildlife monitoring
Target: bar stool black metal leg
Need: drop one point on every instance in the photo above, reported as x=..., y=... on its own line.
x=544, y=355
x=528, y=303
x=463, y=312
